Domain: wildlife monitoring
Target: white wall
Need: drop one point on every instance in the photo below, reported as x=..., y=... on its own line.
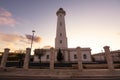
x=88, y=56
x=67, y=55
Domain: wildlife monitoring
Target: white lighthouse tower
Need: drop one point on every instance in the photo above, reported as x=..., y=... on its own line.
x=61, y=39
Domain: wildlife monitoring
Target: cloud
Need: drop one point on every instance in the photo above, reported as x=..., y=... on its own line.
x=47, y=47
x=35, y=39
x=12, y=41
x=16, y=41
x=18, y=38
x=6, y=18
x=118, y=33
x=10, y=37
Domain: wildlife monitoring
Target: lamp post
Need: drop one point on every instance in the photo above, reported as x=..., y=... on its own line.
x=33, y=31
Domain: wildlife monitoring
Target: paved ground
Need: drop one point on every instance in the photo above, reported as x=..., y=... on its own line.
x=59, y=74
x=39, y=78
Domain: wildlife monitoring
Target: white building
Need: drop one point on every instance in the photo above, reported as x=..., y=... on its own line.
x=70, y=54
x=101, y=56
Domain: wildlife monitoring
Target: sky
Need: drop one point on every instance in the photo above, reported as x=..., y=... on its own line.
x=89, y=23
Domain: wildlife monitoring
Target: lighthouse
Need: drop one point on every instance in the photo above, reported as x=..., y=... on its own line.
x=69, y=54
x=61, y=39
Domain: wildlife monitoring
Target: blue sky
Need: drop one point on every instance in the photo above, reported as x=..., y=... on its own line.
x=89, y=23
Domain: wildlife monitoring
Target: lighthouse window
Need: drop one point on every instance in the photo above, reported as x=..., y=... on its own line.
x=60, y=23
x=60, y=34
x=60, y=41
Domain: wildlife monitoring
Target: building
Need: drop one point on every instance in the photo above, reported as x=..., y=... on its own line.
x=61, y=38
x=69, y=54
x=101, y=57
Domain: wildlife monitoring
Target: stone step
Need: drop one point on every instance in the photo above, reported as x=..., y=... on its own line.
x=57, y=78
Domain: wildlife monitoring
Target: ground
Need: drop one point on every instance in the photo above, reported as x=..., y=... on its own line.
x=59, y=74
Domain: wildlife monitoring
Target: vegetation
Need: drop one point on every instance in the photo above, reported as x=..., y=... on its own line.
x=60, y=56
x=118, y=56
x=39, y=53
x=15, y=57
x=20, y=57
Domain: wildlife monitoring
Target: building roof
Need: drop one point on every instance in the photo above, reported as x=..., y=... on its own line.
x=102, y=53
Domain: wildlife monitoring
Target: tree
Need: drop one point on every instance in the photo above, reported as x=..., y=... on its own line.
x=60, y=56
x=118, y=56
x=39, y=53
x=20, y=57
